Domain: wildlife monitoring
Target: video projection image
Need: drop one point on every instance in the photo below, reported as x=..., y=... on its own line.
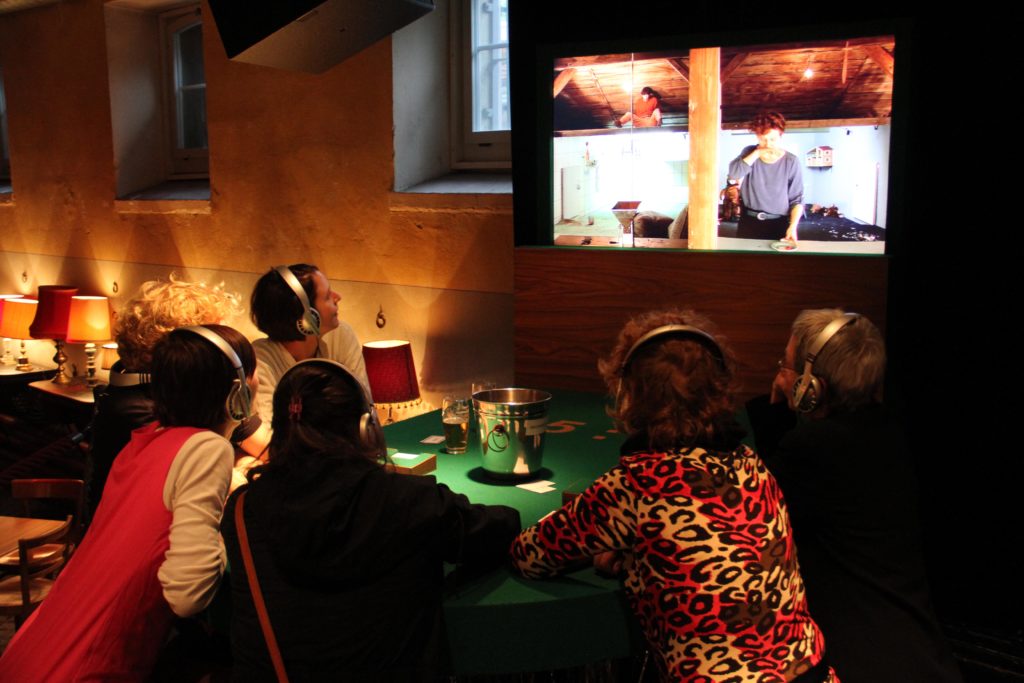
x=818, y=172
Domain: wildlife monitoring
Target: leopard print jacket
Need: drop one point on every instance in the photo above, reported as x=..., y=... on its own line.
x=712, y=571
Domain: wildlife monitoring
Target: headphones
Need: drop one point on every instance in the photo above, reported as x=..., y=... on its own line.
x=809, y=389
x=671, y=331
x=309, y=323
x=371, y=434
x=128, y=379
x=238, y=400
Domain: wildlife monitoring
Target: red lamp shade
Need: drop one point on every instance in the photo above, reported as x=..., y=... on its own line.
x=52, y=315
x=89, y=319
x=17, y=315
x=392, y=373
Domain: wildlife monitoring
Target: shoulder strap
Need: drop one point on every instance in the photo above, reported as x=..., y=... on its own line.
x=257, y=594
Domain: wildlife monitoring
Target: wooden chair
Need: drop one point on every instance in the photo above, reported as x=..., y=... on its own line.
x=21, y=594
x=28, y=490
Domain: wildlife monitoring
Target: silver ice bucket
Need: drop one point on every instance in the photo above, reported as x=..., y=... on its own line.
x=512, y=423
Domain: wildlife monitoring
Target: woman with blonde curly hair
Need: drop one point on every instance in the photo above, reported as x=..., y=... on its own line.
x=690, y=516
x=127, y=402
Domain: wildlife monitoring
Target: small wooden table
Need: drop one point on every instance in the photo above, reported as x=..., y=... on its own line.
x=12, y=529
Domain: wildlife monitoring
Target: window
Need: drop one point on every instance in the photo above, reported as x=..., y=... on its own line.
x=186, y=91
x=5, y=155
x=481, y=107
x=489, y=54
x=157, y=99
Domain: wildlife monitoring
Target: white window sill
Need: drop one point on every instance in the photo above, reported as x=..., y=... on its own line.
x=464, y=183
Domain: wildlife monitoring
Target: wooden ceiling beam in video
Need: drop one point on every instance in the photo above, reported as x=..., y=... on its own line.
x=562, y=80
x=705, y=121
x=680, y=68
x=597, y=82
x=620, y=58
x=792, y=124
x=879, y=41
x=733, y=64
x=883, y=59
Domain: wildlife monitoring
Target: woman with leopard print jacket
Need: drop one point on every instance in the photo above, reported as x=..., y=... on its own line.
x=693, y=517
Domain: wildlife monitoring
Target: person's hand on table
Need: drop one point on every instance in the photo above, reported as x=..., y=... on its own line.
x=611, y=564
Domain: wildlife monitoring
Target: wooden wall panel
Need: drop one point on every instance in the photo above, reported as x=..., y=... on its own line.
x=570, y=303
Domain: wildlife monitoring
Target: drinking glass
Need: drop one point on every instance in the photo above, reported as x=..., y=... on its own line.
x=455, y=419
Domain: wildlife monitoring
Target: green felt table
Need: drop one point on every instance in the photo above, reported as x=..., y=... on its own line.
x=501, y=623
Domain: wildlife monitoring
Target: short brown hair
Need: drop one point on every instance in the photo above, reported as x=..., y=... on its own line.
x=192, y=377
x=275, y=308
x=765, y=121
x=678, y=391
x=852, y=364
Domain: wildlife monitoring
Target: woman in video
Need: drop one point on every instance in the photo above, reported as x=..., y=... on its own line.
x=646, y=112
x=771, y=183
x=690, y=517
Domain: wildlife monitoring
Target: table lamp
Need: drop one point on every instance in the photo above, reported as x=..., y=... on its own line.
x=6, y=358
x=88, y=323
x=51, y=322
x=110, y=355
x=17, y=316
x=392, y=373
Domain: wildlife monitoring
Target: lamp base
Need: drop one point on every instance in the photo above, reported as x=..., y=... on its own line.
x=60, y=358
x=22, y=361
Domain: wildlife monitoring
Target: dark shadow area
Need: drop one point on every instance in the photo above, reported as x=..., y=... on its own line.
x=198, y=189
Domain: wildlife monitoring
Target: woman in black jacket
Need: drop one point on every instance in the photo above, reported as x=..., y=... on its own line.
x=349, y=556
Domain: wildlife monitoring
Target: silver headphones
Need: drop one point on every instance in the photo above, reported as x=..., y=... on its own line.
x=681, y=331
x=678, y=331
x=809, y=389
x=371, y=435
x=309, y=323
x=238, y=401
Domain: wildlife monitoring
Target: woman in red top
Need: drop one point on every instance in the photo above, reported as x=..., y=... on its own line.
x=646, y=112
x=153, y=550
x=692, y=517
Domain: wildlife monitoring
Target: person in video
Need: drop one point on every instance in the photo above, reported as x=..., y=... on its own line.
x=771, y=183
x=646, y=111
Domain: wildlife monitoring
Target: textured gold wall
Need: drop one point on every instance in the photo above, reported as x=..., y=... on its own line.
x=300, y=170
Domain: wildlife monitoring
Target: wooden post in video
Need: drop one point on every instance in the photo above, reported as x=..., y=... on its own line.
x=705, y=122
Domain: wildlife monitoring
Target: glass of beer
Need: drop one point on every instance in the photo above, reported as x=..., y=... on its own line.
x=455, y=418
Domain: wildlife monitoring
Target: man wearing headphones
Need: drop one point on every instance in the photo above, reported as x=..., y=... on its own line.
x=298, y=311
x=845, y=470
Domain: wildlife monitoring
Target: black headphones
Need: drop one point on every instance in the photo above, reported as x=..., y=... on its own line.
x=309, y=323
x=371, y=434
x=809, y=389
x=128, y=379
x=238, y=401
x=671, y=331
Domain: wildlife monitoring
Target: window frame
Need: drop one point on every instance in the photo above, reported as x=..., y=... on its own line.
x=182, y=163
x=5, y=141
x=470, y=149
